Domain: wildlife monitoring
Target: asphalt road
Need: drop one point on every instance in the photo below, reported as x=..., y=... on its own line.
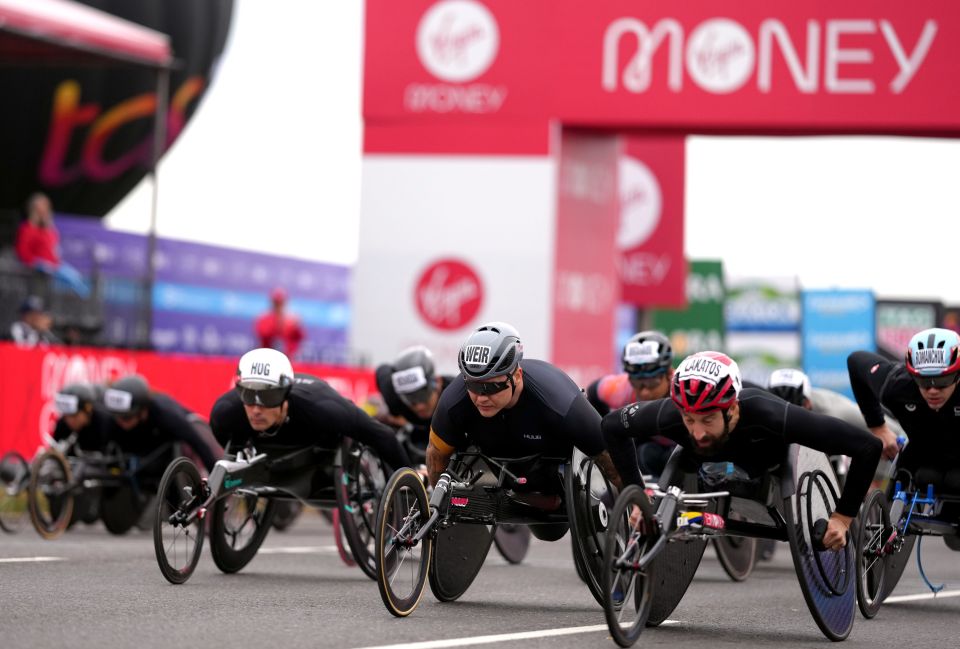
x=91, y=589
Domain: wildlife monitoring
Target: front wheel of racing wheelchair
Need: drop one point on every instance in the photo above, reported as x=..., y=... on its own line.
x=50, y=493
x=178, y=526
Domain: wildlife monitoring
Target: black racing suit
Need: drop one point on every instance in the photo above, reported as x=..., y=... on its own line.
x=550, y=418
x=758, y=442
x=317, y=416
x=167, y=422
x=419, y=427
x=933, y=454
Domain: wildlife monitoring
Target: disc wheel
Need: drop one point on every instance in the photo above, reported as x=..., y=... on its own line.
x=359, y=481
x=402, y=565
x=14, y=483
x=589, y=497
x=737, y=555
x=627, y=588
x=49, y=496
x=875, y=530
x=240, y=523
x=120, y=509
x=177, y=529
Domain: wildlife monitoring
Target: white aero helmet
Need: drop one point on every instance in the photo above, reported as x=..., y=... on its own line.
x=791, y=385
x=264, y=377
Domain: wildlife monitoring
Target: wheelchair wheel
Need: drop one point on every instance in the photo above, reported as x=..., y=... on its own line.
x=51, y=502
x=285, y=513
x=119, y=510
x=239, y=525
x=737, y=555
x=401, y=565
x=359, y=481
x=14, y=479
x=627, y=592
x=343, y=546
x=177, y=529
x=874, y=531
x=589, y=498
x=512, y=541
x=952, y=542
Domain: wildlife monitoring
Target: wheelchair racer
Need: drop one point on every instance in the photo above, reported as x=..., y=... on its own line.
x=921, y=392
x=711, y=415
x=509, y=407
x=273, y=407
x=647, y=360
x=81, y=414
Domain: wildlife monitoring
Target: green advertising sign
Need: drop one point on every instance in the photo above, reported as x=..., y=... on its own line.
x=699, y=326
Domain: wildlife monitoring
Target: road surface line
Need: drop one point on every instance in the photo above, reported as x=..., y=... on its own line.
x=30, y=559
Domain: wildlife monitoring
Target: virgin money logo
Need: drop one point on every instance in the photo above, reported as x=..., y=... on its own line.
x=720, y=55
x=457, y=40
x=448, y=294
x=641, y=203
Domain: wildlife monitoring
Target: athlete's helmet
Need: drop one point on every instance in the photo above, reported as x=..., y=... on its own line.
x=647, y=353
x=793, y=386
x=414, y=378
x=706, y=381
x=493, y=349
x=73, y=398
x=933, y=352
x=127, y=396
x=264, y=378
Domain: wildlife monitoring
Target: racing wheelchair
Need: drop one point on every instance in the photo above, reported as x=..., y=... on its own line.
x=891, y=527
x=648, y=566
x=240, y=497
x=445, y=537
x=14, y=480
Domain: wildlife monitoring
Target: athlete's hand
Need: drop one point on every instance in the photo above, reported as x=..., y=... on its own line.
x=889, y=439
x=835, y=537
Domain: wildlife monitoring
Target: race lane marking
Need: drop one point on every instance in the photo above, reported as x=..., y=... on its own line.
x=300, y=549
x=913, y=598
x=30, y=559
x=503, y=637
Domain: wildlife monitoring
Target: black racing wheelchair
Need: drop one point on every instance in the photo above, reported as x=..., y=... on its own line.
x=444, y=538
x=892, y=524
x=240, y=497
x=648, y=566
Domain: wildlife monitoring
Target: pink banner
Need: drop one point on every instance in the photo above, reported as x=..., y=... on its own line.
x=813, y=66
x=585, y=279
x=652, y=268
x=33, y=376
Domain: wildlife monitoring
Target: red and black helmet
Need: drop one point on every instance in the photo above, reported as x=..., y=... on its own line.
x=706, y=381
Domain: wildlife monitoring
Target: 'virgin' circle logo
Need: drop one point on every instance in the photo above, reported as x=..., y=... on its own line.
x=457, y=40
x=448, y=294
x=640, y=203
x=720, y=55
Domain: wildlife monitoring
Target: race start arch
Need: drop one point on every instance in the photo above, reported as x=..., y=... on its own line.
x=523, y=161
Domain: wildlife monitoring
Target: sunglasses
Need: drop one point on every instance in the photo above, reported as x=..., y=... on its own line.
x=487, y=388
x=269, y=398
x=938, y=382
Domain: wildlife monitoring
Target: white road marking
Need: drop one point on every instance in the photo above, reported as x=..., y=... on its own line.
x=30, y=559
x=913, y=598
x=299, y=549
x=503, y=637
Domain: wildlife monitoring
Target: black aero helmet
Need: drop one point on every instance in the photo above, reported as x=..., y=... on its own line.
x=647, y=353
x=791, y=385
x=73, y=398
x=127, y=396
x=414, y=377
x=493, y=349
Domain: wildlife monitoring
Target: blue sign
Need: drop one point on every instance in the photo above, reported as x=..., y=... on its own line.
x=835, y=323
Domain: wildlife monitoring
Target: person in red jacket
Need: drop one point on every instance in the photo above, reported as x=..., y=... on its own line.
x=278, y=328
x=38, y=245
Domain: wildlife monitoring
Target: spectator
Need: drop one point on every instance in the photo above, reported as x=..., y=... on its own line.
x=33, y=327
x=38, y=245
x=279, y=329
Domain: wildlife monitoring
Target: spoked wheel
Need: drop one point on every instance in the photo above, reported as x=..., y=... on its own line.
x=51, y=502
x=359, y=480
x=240, y=523
x=14, y=482
x=402, y=564
x=875, y=530
x=178, y=529
x=589, y=498
x=627, y=588
x=343, y=546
